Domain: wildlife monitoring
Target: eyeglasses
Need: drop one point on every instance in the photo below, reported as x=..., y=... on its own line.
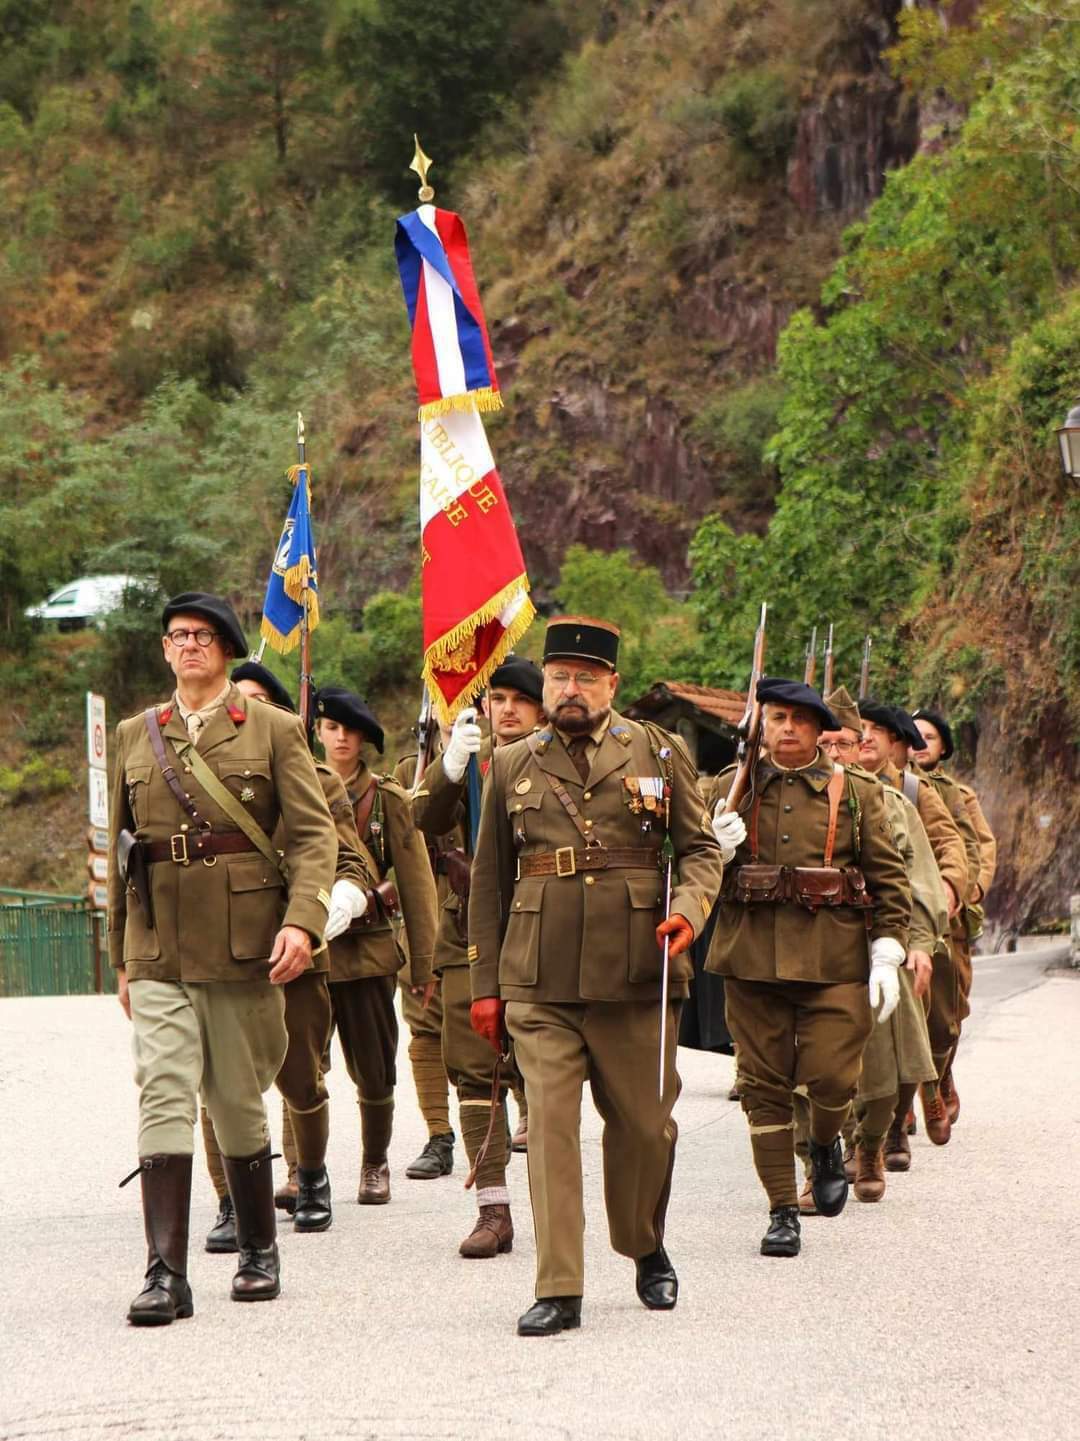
x=584, y=680
x=179, y=636
x=844, y=747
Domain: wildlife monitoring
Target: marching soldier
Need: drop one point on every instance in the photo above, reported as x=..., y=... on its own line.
x=812, y=929
x=885, y=731
x=364, y=961
x=207, y=922
x=308, y=1019
x=513, y=706
x=937, y=747
x=567, y=889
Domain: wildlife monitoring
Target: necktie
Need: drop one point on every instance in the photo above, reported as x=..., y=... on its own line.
x=194, y=725
x=576, y=751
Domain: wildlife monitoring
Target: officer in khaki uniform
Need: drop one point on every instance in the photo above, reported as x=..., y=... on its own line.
x=365, y=960
x=815, y=906
x=204, y=929
x=308, y=1019
x=937, y=747
x=567, y=890
x=885, y=735
x=513, y=706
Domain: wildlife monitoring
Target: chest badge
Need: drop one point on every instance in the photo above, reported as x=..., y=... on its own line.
x=523, y=786
x=247, y=795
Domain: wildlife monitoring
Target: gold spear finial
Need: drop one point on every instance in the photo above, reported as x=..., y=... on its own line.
x=299, y=428
x=422, y=163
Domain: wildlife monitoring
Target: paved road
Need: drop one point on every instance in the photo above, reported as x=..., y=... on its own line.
x=949, y=1310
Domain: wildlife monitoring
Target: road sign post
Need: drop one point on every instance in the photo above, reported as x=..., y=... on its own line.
x=97, y=837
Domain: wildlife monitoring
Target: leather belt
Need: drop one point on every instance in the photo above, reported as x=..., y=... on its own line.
x=567, y=861
x=188, y=846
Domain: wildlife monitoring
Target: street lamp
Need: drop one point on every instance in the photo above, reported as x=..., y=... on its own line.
x=1069, y=439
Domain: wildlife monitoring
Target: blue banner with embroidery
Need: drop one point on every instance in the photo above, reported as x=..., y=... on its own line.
x=294, y=575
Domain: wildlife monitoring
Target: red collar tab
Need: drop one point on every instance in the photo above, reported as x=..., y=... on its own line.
x=164, y=715
x=237, y=715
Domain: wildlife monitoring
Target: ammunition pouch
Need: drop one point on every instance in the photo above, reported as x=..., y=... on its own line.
x=131, y=858
x=813, y=887
x=382, y=907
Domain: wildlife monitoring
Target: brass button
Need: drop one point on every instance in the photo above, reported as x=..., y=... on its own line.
x=787, y=808
x=588, y=824
x=791, y=780
x=187, y=770
x=590, y=880
x=517, y=905
x=785, y=838
x=518, y=806
x=184, y=826
x=247, y=773
x=587, y=796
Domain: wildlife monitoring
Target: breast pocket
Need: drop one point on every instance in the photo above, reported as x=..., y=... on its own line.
x=249, y=780
x=644, y=957
x=524, y=816
x=137, y=780
x=519, y=960
x=256, y=906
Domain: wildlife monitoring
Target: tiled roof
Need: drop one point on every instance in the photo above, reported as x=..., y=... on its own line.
x=723, y=705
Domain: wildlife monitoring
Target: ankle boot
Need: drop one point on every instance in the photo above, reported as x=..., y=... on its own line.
x=782, y=1238
x=828, y=1179
x=869, y=1173
x=251, y=1182
x=376, y=1128
x=221, y=1237
x=938, y=1127
x=166, y=1201
x=436, y=1159
x=313, y=1212
x=493, y=1234
x=950, y=1095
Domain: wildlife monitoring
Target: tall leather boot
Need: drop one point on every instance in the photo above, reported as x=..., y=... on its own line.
x=311, y=1130
x=166, y=1201
x=251, y=1182
x=376, y=1127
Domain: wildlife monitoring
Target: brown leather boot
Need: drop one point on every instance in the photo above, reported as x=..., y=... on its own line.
x=897, y=1148
x=869, y=1174
x=251, y=1183
x=493, y=1234
x=376, y=1128
x=166, y=1201
x=807, y=1204
x=849, y=1161
x=950, y=1096
x=374, y=1188
x=936, y=1117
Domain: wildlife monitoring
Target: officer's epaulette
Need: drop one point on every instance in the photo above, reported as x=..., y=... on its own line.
x=864, y=775
x=622, y=735
x=940, y=777
x=542, y=740
x=391, y=786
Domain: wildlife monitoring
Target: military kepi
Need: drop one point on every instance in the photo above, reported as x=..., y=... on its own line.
x=941, y=725
x=580, y=637
x=772, y=690
x=262, y=675
x=348, y=709
x=212, y=608
x=519, y=673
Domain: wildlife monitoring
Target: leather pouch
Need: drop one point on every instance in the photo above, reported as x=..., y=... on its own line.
x=817, y=886
x=754, y=884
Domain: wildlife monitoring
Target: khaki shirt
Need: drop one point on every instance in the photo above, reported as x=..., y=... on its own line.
x=586, y=936
x=397, y=847
x=788, y=942
x=217, y=921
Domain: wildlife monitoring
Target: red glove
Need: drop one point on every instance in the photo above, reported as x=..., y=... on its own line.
x=486, y=1019
x=679, y=929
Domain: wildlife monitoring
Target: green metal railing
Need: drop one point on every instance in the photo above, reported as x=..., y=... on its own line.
x=52, y=946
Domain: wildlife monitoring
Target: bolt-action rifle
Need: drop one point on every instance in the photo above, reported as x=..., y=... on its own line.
x=864, y=673
x=827, y=678
x=750, y=725
x=810, y=668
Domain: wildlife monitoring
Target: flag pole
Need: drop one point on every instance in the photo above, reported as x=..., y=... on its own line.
x=306, y=718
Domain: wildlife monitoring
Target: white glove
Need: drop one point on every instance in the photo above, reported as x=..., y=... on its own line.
x=347, y=903
x=886, y=958
x=464, y=742
x=729, y=828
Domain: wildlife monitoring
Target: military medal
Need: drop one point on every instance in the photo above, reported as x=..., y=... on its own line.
x=633, y=794
x=247, y=794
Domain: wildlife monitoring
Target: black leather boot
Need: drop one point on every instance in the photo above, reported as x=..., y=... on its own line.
x=313, y=1211
x=221, y=1237
x=166, y=1201
x=828, y=1180
x=436, y=1159
x=783, y=1236
x=550, y=1315
x=251, y=1183
x=657, y=1283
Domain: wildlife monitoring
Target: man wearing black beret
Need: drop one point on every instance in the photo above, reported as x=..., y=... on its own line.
x=365, y=959
x=207, y=923
x=813, y=925
x=513, y=706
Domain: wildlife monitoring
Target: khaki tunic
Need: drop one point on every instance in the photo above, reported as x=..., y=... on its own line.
x=591, y=936
x=929, y=899
x=218, y=922
x=945, y=839
x=986, y=838
x=786, y=941
x=395, y=845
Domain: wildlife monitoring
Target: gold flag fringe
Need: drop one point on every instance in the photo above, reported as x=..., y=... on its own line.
x=484, y=400
x=296, y=589
x=439, y=652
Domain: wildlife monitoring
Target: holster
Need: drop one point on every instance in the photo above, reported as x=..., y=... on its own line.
x=131, y=859
x=456, y=866
x=382, y=905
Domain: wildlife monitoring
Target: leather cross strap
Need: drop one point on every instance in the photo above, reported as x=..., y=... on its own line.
x=225, y=799
x=194, y=845
x=157, y=745
x=836, y=790
x=566, y=861
x=363, y=808
x=564, y=798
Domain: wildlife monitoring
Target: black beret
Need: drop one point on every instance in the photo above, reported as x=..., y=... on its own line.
x=348, y=709
x=252, y=670
x=941, y=725
x=519, y=673
x=880, y=714
x=908, y=731
x=796, y=692
x=579, y=637
x=212, y=608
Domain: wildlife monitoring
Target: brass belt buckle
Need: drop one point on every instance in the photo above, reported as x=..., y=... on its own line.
x=178, y=851
x=565, y=864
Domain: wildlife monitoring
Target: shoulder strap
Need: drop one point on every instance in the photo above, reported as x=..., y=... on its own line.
x=836, y=790
x=157, y=745
x=363, y=806
x=232, y=807
x=910, y=783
